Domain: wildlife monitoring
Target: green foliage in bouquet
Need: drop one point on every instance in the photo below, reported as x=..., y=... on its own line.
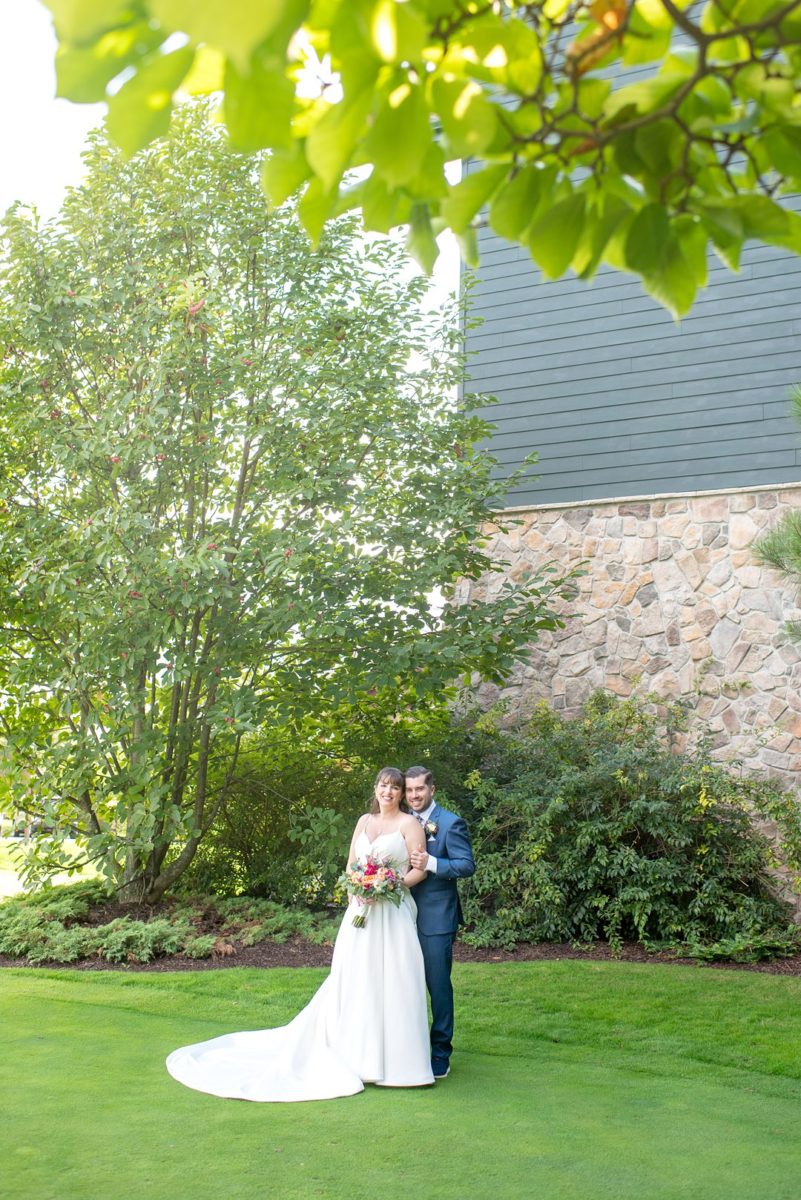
x=595, y=828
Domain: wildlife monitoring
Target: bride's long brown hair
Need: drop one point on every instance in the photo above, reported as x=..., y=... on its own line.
x=394, y=776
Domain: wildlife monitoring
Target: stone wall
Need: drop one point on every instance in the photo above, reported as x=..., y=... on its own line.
x=673, y=603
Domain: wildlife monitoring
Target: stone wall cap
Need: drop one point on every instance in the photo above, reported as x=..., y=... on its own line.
x=602, y=501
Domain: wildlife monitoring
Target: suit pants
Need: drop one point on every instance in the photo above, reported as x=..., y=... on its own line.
x=437, y=958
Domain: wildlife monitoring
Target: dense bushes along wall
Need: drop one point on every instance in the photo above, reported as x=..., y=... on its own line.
x=586, y=828
x=583, y=829
x=595, y=828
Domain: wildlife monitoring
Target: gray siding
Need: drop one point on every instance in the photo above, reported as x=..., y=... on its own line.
x=617, y=399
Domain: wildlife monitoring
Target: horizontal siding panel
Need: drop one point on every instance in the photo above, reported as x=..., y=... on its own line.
x=720, y=425
x=559, y=493
x=617, y=399
x=635, y=479
x=767, y=327
x=764, y=297
x=632, y=410
x=622, y=369
x=586, y=456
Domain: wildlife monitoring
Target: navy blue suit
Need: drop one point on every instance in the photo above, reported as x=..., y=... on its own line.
x=439, y=915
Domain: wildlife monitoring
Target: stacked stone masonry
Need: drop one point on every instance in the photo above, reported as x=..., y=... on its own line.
x=674, y=603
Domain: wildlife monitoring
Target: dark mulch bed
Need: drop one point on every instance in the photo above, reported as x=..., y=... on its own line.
x=296, y=952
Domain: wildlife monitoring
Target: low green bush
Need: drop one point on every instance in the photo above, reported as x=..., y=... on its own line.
x=254, y=920
x=126, y=940
x=595, y=828
x=57, y=925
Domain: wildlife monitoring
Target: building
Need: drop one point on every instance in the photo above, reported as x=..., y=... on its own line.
x=664, y=451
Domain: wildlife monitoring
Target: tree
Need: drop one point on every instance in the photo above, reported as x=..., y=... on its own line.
x=576, y=158
x=226, y=494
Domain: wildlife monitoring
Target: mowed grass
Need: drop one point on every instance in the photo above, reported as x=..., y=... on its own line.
x=574, y=1080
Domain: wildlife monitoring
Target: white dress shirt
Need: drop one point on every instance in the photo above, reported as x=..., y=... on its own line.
x=422, y=817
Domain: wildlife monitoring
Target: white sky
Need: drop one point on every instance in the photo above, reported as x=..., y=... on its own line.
x=41, y=138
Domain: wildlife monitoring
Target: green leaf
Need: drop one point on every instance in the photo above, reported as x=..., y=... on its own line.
x=783, y=145
x=430, y=183
x=649, y=29
x=379, y=205
x=82, y=20
x=554, y=238
x=468, y=247
x=258, y=106
x=693, y=237
x=673, y=283
x=82, y=74
x=515, y=205
x=421, y=242
x=400, y=136
x=237, y=27
x=601, y=222
x=140, y=110
x=315, y=207
x=467, y=197
x=647, y=239
x=283, y=173
x=331, y=140
x=468, y=118
x=397, y=32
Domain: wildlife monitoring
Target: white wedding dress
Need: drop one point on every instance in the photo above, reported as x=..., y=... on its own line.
x=368, y=1022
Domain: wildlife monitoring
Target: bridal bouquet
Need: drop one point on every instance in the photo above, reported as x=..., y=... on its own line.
x=372, y=878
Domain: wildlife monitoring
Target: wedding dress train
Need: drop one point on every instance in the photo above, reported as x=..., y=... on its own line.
x=367, y=1023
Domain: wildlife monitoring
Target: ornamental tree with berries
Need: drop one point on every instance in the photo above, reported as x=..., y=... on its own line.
x=232, y=472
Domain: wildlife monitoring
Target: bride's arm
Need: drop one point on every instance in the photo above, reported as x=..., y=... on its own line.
x=415, y=840
x=360, y=824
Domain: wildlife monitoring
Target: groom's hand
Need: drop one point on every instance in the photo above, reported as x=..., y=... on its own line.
x=419, y=859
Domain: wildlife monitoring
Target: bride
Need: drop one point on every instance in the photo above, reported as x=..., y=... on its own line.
x=368, y=1022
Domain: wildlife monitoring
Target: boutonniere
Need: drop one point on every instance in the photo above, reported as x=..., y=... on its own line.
x=431, y=829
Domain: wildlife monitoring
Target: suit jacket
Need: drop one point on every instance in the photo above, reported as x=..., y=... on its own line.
x=437, y=897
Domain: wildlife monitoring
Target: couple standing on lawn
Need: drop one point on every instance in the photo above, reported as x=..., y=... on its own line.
x=368, y=1022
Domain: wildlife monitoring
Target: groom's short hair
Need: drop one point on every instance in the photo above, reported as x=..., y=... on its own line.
x=414, y=772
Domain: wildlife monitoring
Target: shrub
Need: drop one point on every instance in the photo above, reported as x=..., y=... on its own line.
x=593, y=828
x=255, y=920
x=30, y=928
x=126, y=940
x=283, y=832
x=201, y=946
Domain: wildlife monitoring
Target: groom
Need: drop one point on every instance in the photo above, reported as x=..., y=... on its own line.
x=447, y=857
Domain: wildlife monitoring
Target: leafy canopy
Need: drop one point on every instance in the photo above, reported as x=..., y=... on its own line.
x=633, y=132
x=232, y=472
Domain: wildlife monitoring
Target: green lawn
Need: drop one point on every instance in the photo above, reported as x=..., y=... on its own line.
x=574, y=1080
